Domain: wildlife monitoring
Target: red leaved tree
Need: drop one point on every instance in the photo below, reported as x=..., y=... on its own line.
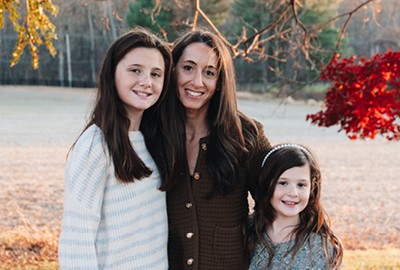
x=364, y=98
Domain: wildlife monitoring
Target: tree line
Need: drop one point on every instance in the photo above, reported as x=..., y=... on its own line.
x=85, y=28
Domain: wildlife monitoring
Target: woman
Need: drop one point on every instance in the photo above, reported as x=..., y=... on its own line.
x=217, y=149
x=114, y=213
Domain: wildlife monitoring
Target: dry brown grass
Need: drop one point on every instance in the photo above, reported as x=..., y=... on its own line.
x=371, y=259
x=360, y=179
x=26, y=246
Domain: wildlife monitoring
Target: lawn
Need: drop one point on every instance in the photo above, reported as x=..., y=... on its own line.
x=38, y=125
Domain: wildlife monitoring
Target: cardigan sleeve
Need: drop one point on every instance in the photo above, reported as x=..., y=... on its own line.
x=85, y=178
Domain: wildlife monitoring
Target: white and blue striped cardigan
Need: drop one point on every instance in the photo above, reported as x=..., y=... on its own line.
x=109, y=224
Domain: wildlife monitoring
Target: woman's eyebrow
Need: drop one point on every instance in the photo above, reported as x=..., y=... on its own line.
x=191, y=61
x=194, y=63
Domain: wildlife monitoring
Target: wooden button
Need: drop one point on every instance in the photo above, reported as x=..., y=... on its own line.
x=204, y=146
x=190, y=261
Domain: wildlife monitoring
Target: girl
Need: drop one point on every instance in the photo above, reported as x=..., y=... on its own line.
x=114, y=213
x=289, y=228
x=217, y=151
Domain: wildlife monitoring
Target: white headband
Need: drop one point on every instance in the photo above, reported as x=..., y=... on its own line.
x=283, y=146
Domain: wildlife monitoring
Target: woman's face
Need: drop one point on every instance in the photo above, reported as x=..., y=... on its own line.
x=197, y=76
x=139, y=79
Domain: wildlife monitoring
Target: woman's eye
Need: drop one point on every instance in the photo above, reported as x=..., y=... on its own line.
x=210, y=73
x=155, y=74
x=134, y=70
x=187, y=68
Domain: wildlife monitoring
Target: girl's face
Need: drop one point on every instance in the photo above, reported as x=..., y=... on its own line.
x=139, y=79
x=197, y=76
x=292, y=191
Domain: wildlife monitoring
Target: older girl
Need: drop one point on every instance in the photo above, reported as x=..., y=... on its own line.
x=114, y=213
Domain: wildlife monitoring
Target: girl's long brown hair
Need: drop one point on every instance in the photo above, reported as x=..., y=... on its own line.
x=109, y=112
x=313, y=219
x=232, y=134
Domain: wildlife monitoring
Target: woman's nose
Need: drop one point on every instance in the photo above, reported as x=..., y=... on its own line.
x=198, y=80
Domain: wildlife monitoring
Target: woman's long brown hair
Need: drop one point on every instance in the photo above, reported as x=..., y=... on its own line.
x=232, y=134
x=313, y=219
x=109, y=112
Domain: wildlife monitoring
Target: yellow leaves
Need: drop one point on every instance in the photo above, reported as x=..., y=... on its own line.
x=35, y=20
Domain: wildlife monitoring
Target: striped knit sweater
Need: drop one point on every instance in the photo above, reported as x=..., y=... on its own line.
x=109, y=224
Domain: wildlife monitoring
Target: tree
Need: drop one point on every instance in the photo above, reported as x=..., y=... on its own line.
x=147, y=14
x=250, y=16
x=364, y=98
x=371, y=33
x=280, y=45
x=172, y=17
x=290, y=31
x=216, y=10
x=35, y=19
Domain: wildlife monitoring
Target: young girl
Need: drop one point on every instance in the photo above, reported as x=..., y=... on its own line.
x=289, y=228
x=114, y=213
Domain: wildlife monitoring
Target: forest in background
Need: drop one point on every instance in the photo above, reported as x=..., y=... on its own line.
x=87, y=28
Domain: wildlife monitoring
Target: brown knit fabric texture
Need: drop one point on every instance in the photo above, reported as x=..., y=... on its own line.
x=207, y=234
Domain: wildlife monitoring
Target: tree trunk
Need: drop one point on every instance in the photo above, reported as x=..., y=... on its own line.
x=290, y=60
x=111, y=17
x=92, y=48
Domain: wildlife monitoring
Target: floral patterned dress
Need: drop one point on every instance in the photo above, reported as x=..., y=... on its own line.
x=308, y=257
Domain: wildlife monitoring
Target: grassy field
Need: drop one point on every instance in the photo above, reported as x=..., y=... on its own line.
x=360, y=187
x=27, y=246
x=30, y=248
x=370, y=259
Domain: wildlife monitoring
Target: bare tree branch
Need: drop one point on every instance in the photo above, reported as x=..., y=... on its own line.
x=266, y=28
x=205, y=17
x=121, y=8
x=196, y=14
x=350, y=15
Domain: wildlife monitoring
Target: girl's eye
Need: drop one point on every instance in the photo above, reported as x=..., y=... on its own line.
x=155, y=74
x=282, y=183
x=134, y=70
x=302, y=185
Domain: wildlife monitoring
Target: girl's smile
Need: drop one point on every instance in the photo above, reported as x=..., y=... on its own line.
x=292, y=192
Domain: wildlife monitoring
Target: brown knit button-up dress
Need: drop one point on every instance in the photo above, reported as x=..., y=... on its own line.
x=206, y=234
